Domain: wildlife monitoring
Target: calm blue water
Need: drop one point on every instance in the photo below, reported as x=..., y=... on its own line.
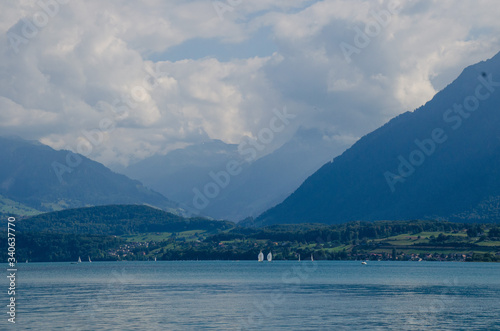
x=224, y=295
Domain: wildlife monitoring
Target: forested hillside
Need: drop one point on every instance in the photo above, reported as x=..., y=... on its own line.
x=117, y=220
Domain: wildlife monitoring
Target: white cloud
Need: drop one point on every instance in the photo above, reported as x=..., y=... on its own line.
x=91, y=62
x=14, y=115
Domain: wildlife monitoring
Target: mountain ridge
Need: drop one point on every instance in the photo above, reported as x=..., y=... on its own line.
x=347, y=189
x=28, y=175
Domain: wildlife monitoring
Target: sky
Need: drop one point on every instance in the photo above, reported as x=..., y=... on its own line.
x=122, y=80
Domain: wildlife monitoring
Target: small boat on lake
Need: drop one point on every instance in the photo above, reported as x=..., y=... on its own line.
x=364, y=262
x=269, y=257
x=261, y=257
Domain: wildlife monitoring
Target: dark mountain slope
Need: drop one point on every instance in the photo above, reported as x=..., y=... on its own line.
x=29, y=175
x=456, y=177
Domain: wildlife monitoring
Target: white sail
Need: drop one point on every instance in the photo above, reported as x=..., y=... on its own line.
x=89, y=259
x=269, y=257
x=312, y=259
x=79, y=260
x=155, y=258
x=261, y=257
x=299, y=257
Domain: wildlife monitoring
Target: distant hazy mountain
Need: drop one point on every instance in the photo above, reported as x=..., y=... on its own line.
x=440, y=161
x=271, y=178
x=35, y=177
x=178, y=172
x=258, y=186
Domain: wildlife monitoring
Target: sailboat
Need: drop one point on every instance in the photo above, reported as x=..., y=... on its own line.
x=269, y=257
x=155, y=258
x=26, y=261
x=312, y=259
x=299, y=257
x=363, y=262
x=79, y=260
x=89, y=259
x=261, y=257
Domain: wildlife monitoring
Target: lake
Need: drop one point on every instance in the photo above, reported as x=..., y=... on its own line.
x=247, y=295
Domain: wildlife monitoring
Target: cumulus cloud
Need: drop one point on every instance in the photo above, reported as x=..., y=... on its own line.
x=100, y=70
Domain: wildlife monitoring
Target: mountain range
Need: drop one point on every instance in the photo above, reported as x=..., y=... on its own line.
x=183, y=174
x=36, y=178
x=441, y=161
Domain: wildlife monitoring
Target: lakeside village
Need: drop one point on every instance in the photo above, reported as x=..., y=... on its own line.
x=200, y=250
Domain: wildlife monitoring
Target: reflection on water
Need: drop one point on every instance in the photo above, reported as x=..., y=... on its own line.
x=225, y=295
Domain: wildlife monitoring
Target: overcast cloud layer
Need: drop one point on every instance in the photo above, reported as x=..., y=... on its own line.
x=122, y=80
